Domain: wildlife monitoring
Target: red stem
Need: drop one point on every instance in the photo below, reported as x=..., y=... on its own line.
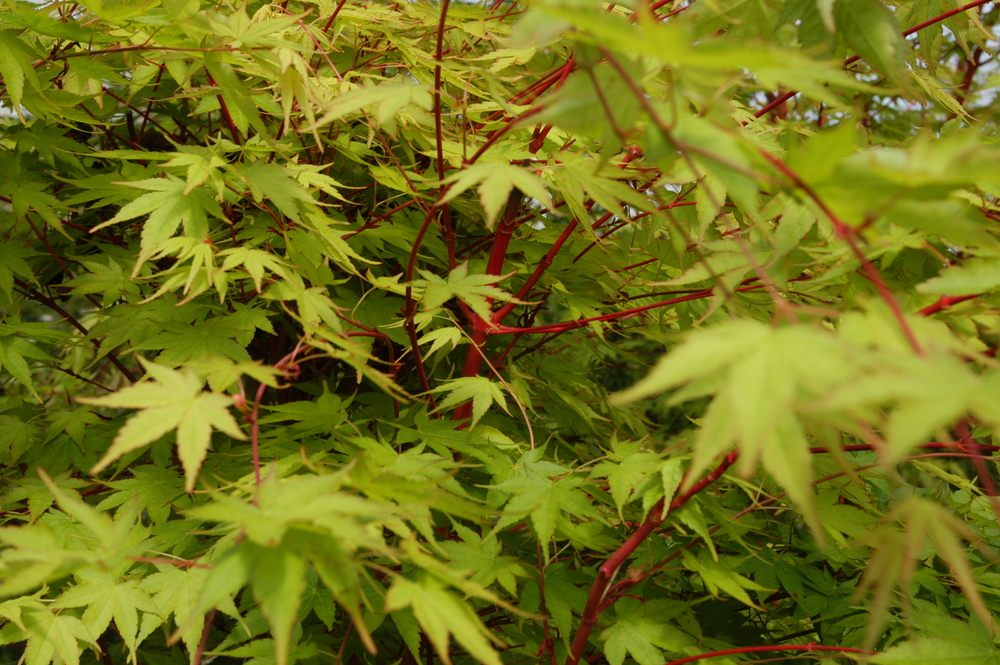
x=449, y=234
x=971, y=446
x=580, y=323
x=906, y=33
x=411, y=305
x=941, y=17
x=204, y=637
x=499, y=133
x=225, y=113
x=255, y=436
x=480, y=328
x=333, y=16
x=609, y=569
x=547, y=645
x=549, y=257
x=849, y=234
x=449, y=237
x=944, y=303
x=283, y=365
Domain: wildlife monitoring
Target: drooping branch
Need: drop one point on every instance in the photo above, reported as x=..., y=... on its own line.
x=609, y=569
x=27, y=291
x=614, y=316
x=849, y=235
x=781, y=99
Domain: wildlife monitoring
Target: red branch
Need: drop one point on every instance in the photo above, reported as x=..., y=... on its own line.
x=941, y=17
x=849, y=235
x=549, y=257
x=609, y=569
x=906, y=33
x=333, y=16
x=204, y=637
x=290, y=370
x=225, y=113
x=602, y=594
x=449, y=237
x=180, y=563
x=449, y=234
x=580, y=323
x=41, y=298
x=944, y=303
x=480, y=328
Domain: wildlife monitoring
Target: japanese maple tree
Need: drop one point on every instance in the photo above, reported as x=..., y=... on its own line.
x=558, y=332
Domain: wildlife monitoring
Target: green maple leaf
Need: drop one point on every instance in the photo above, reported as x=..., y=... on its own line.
x=577, y=175
x=12, y=262
x=476, y=291
x=174, y=401
x=13, y=351
x=896, y=550
x=15, y=66
x=718, y=576
x=277, y=578
x=496, y=180
x=640, y=631
x=50, y=142
x=478, y=389
x=168, y=206
x=105, y=599
x=242, y=323
x=565, y=593
x=953, y=642
x=938, y=651
x=314, y=305
x=34, y=196
x=442, y=337
x=13, y=611
x=389, y=97
x=108, y=279
x=35, y=491
x=254, y=261
x=325, y=414
x=972, y=277
x=338, y=571
x=481, y=555
x=71, y=421
x=154, y=487
x=276, y=183
x=201, y=164
x=300, y=499
x=336, y=248
x=16, y=437
x=442, y=615
x=544, y=500
x=104, y=188
x=54, y=637
x=180, y=343
x=137, y=323
x=626, y=469
x=177, y=591
x=222, y=373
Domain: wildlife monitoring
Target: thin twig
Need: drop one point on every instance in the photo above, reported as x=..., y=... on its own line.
x=204, y=637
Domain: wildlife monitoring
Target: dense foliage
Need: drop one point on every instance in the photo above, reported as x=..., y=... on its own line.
x=377, y=332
